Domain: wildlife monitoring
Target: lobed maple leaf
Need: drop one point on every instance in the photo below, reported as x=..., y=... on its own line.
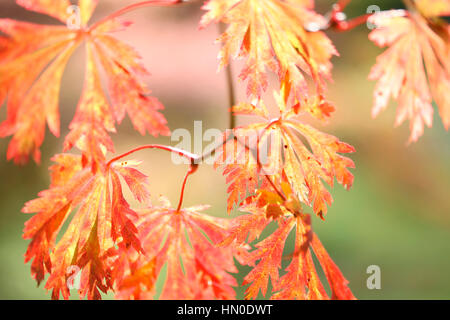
x=305, y=166
x=184, y=241
x=271, y=34
x=103, y=220
x=32, y=61
x=415, y=69
x=301, y=280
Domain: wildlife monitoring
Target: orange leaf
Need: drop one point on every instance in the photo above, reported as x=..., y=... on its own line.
x=32, y=62
x=102, y=221
x=271, y=34
x=269, y=253
x=413, y=70
x=185, y=240
x=301, y=280
x=246, y=228
x=240, y=169
x=305, y=165
x=338, y=283
x=93, y=119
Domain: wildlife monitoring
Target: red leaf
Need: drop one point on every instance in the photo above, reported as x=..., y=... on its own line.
x=32, y=62
x=196, y=268
x=103, y=220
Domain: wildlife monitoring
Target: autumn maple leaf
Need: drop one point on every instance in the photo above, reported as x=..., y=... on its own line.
x=416, y=67
x=103, y=221
x=32, y=61
x=305, y=166
x=185, y=241
x=271, y=34
x=301, y=280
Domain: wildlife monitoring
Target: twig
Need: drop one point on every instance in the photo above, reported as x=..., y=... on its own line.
x=191, y=170
x=230, y=85
x=337, y=19
x=191, y=156
x=131, y=7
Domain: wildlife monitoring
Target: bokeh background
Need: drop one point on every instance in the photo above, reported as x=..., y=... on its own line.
x=396, y=216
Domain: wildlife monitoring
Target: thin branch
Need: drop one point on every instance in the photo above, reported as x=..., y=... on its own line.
x=194, y=161
x=337, y=19
x=131, y=7
x=191, y=170
x=347, y=25
x=230, y=85
x=188, y=155
x=192, y=157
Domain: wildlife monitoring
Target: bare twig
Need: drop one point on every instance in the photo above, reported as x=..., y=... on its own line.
x=134, y=6
x=230, y=85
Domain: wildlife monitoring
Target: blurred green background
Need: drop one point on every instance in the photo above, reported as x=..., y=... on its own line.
x=396, y=216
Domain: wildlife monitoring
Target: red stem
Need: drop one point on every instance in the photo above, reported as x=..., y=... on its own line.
x=337, y=19
x=135, y=6
x=194, y=163
x=192, y=157
x=347, y=25
x=186, y=154
x=191, y=170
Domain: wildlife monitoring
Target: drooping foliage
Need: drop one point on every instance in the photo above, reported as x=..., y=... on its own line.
x=276, y=168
